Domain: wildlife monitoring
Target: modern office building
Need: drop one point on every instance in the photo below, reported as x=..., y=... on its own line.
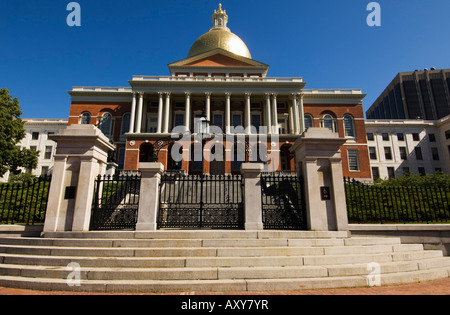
x=398, y=147
x=422, y=95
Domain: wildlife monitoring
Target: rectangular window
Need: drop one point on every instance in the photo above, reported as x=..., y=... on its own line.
x=282, y=126
x=373, y=153
x=237, y=120
x=403, y=153
x=385, y=136
x=153, y=124
x=391, y=172
x=435, y=154
x=121, y=158
x=406, y=171
x=256, y=121
x=432, y=137
x=375, y=173
x=370, y=137
x=416, y=137
x=35, y=136
x=179, y=120
x=418, y=152
x=400, y=137
x=353, y=161
x=422, y=171
x=218, y=120
x=33, y=148
x=387, y=153
x=48, y=152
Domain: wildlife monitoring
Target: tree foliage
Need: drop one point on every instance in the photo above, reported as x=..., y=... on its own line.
x=12, y=132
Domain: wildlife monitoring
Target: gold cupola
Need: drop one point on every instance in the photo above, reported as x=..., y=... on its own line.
x=219, y=37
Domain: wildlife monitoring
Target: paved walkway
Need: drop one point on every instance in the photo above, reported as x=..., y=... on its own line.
x=437, y=287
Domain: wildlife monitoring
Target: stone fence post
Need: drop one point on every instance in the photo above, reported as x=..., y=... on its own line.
x=252, y=192
x=149, y=196
x=81, y=155
x=318, y=158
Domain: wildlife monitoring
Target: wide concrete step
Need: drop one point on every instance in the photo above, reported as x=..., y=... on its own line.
x=77, y=242
x=200, y=234
x=224, y=285
x=211, y=261
x=208, y=251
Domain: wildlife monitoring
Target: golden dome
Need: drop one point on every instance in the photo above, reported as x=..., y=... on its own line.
x=219, y=36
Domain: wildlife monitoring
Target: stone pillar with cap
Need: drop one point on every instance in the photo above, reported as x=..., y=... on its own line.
x=81, y=155
x=319, y=161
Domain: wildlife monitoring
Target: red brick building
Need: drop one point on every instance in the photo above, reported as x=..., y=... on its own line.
x=221, y=82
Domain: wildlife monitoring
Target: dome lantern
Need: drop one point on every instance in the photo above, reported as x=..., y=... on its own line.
x=219, y=37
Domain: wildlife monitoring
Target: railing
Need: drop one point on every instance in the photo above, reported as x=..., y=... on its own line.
x=397, y=204
x=283, y=201
x=201, y=201
x=24, y=203
x=116, y=202
x=215, y=79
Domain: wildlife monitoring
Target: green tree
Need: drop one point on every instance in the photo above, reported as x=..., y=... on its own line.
x=11, y=133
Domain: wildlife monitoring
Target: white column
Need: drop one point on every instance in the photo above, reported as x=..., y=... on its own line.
x=160, y=112
x=133, y=113
x=227, y=112
x=268, y=114
x=248, y=118
x=291, y=120
x=301, y=114
x=295, y=113
x=275, y=114
x=167, y=113
x=187, y=115
x=139, y=112
x=208, y=106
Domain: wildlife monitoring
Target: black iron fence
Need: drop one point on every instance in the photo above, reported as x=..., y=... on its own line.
x=283, y=201
x=397, y=204
x=116, y=202
x=201, y=201
x=25, y=202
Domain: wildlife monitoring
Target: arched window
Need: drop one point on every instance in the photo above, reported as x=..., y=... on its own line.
x=125, y=128
x=329, y=122
x=309, y=121
x=106, y=124
x=85, y=118
x=349, y=126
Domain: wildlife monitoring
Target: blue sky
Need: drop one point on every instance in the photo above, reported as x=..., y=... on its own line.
x=327, y=42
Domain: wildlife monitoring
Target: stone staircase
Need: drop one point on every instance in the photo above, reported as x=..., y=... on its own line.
x=212, y=261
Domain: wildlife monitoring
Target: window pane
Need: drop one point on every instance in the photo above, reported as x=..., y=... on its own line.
x=308, y=121
x=349, y=126
x=353, y=161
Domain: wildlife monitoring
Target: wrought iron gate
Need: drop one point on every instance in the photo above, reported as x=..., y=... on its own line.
x=116, y=202
x=201, y=201
x=283, y=203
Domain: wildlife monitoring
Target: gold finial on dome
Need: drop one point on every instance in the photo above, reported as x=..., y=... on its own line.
x=219, y=37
